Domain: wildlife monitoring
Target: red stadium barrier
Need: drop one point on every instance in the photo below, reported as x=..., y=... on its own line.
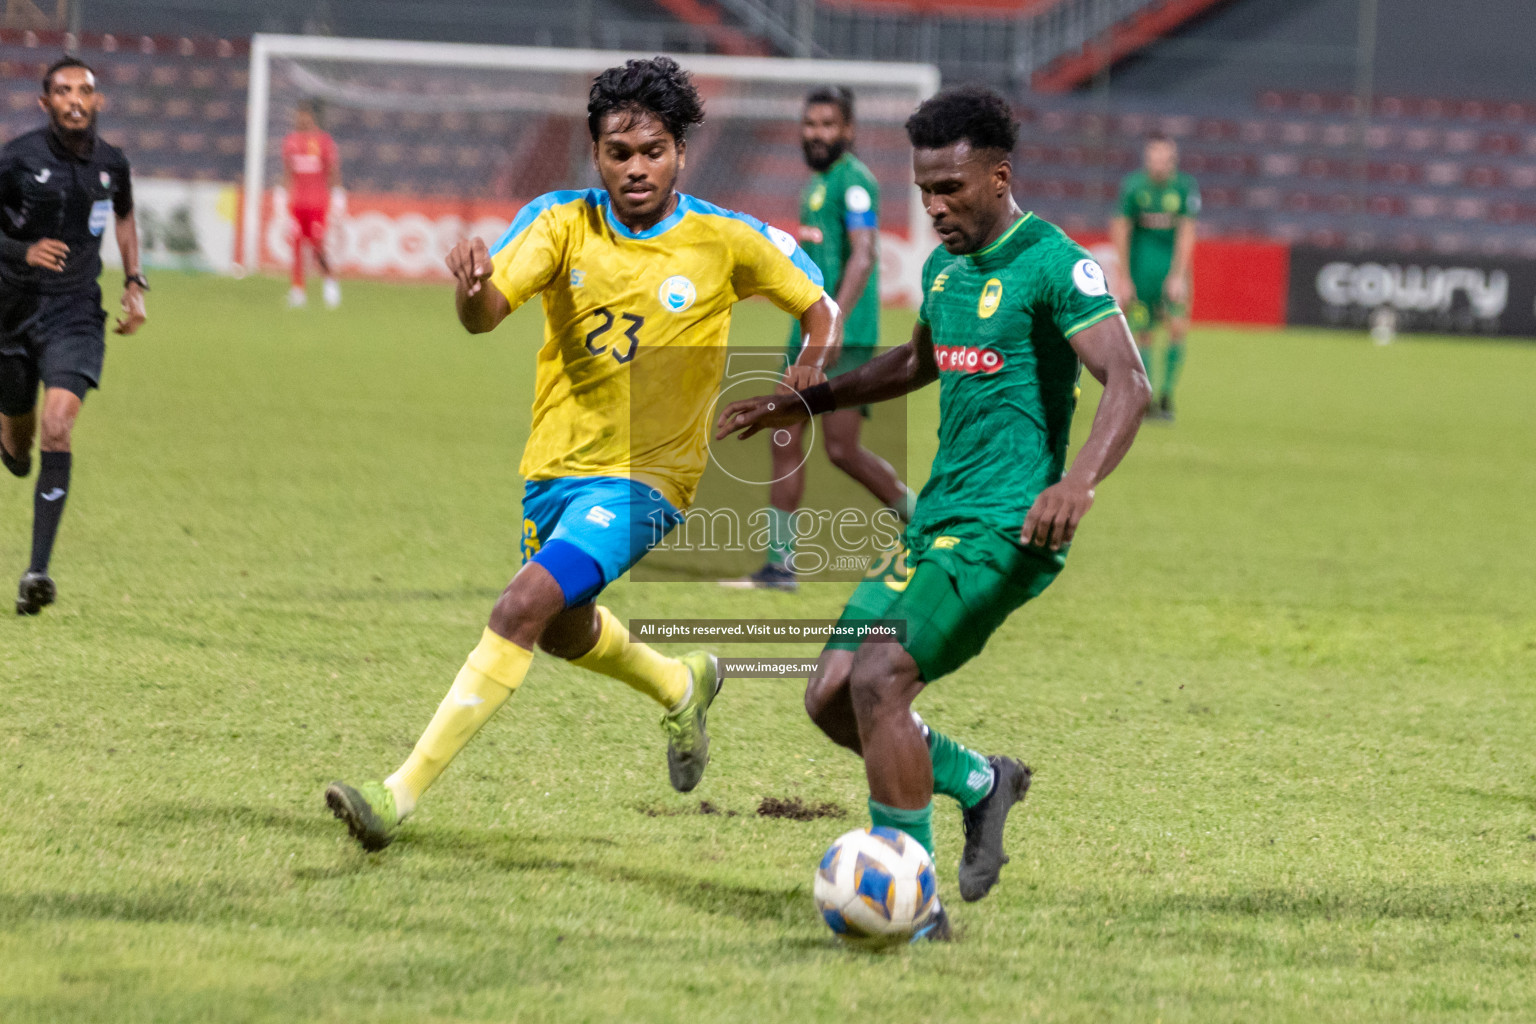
x=1237, y=281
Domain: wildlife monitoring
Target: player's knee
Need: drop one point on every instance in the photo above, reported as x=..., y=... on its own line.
x=787, y=456
x=877, y=686
x=57, y=428
x=823, y=691
x=521, y=615
x=842, y=454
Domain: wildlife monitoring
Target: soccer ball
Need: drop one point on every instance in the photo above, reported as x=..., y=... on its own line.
x=875, y=887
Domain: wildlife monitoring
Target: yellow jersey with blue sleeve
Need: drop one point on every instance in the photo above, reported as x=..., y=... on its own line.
x=635, y=329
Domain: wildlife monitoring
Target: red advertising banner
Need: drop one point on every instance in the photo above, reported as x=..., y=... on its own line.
x=1236, y=281
x=386, y=236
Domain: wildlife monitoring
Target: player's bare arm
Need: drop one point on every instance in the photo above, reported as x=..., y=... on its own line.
x=1176, y=288
x=1120, y=236
x=134, y=313
x=480, y=308
x=1109, y=352
x=822, y=327
x=903, y=369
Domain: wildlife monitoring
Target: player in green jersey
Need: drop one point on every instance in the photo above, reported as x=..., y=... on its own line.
x=1012, y=309
x=1154, y=236
x=839, y=230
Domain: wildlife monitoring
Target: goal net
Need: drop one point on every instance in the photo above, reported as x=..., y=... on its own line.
x=439, y=141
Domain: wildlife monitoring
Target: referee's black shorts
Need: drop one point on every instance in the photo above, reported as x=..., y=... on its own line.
x=59, y=340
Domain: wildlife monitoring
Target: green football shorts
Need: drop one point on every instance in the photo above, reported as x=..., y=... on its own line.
x=1142, y=315
x=953, y=588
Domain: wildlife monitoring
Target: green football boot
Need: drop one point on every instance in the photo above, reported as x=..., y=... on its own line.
x=687, y=738
x=368, y=810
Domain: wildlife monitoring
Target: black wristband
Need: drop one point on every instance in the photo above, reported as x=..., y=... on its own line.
x=818, y=398
x=137, y=279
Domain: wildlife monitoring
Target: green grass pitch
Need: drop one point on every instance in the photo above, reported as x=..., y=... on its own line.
x=1280, y=707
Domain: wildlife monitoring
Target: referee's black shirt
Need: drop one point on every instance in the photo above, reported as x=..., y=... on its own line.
x=46, y=191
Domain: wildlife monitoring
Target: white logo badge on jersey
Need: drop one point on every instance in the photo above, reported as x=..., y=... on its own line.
x=42, y=176
x=578, y=278
x=677, y=293
x=599, y=516
x=1089, y=278
x=783, y=239
x=857, y=200
x=106, y=180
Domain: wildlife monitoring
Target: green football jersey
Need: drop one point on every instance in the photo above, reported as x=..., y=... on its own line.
x=1001, y=319
x=844, y=197
x=1154, y=210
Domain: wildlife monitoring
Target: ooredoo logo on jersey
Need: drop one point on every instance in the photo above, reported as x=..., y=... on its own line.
x=967, y=359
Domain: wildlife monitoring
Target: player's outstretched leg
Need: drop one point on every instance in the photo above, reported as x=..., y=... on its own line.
x=592, y=637
x=687, y=737
x=884, y=681
x=983, y=858
x=373, y=811
x=986, y=788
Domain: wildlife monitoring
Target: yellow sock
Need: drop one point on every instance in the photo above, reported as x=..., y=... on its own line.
x=617, y=655
x=494, y=669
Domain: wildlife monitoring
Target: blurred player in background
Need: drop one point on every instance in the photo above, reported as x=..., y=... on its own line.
x=1012, y=309
x=1154, y=236
x=312, y=179
x=638, y=281
x=839, y=229
x=59, y=187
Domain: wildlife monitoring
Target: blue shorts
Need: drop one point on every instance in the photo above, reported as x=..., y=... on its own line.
x=612, y=521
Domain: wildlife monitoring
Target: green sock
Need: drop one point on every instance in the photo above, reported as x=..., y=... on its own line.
x=1146, y=360
x=1173, y=362
x=781, y=536
x=957, y=772
x=905, y=505
x=917, y=824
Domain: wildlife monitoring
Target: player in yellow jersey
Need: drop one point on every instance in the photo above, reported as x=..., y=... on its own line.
x=637, y=282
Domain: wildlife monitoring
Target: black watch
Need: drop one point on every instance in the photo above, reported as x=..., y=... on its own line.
x=137, y=279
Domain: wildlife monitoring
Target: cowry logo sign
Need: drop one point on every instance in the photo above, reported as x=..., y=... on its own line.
x=1451, y=295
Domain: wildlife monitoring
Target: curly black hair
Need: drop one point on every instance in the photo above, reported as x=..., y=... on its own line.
x=973, y=113
x=657, y=86
x=839, y=96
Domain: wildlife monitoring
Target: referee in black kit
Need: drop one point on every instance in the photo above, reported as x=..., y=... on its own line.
x=59, y=188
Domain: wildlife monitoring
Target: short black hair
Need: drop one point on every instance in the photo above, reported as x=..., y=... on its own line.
x=1158, y=137
x=972, y=113
x=657, y=86
x=839, y=96
x=60, y=65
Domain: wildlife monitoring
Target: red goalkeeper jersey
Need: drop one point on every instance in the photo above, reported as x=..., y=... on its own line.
x=309, y=157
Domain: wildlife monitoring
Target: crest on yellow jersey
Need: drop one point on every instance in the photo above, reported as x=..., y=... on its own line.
x=991, y=296
x=677, y=293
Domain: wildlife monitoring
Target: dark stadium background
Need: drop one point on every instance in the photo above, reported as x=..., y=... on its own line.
x=1393, y=133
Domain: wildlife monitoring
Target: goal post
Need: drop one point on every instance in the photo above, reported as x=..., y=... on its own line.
x=488, y=127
